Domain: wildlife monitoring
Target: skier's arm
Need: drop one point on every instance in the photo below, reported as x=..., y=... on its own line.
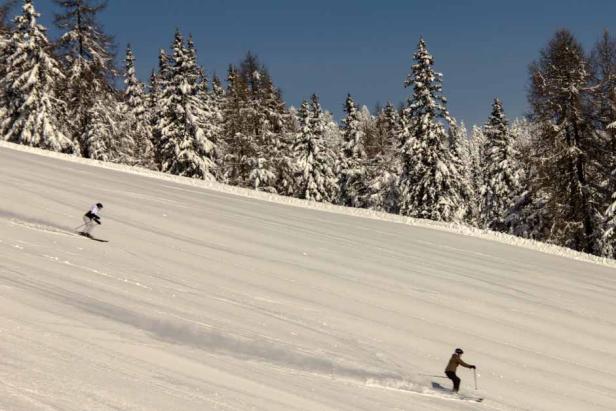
x=97, y=219
x=462, y=363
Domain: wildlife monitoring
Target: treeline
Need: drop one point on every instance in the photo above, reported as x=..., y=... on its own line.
x=550, y=177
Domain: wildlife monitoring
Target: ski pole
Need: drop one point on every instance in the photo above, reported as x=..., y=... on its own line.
x=475, y=371
x=77, y=228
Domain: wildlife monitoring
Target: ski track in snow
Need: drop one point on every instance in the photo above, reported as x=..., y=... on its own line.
x=207, y=297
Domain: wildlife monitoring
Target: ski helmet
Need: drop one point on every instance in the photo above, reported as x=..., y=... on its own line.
x=99, y=205
x=459, y=351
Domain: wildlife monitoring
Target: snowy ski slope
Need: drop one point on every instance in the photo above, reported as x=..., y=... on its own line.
x=210, y=298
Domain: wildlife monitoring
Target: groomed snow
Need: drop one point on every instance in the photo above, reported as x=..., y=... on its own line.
x=208, y=297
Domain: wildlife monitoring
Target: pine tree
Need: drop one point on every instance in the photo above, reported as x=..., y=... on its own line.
x=608, y=238
x=287, y=175
x=30, y=83
x=216, y=98
x=388, y=127
x=603, y=74
x=184, y=148
x=240, y=147
x=603, y=100
x=157, y=104
x=352, y=162
x=500, y=171
x=4, y=53
x=566, y=147
x=529, y=216
x=255, y=125
x=107, y=137
x=384, y=165
x=136, y=115
x=459, y=151
x=87, y=54
x=429, y=183
x=475, y=150
x=314, y=159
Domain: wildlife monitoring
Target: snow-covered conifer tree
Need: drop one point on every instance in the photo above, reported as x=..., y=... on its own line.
x=29, y=84
x=475, y=173
x=184, y=148
x=429, y=183
x=4, y=52
x=528, y=217
x=255, y=124
x=216, y=99
x=87, y=57
x=501, y=179
x=107, y=137
x=240, y=147
x=136, y=115
x=157, y=103
x=607, y=243
x=388, y=130
x=209, y=105
x=384, y=165
x=566, y=150
x=353, y=157
x=314, y=159
x=459, y=150
x=603, y=103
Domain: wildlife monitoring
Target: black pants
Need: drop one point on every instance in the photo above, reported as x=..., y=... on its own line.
x=453, y=377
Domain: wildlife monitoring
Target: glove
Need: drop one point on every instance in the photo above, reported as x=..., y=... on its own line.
x=473, y=367
x=98, y=221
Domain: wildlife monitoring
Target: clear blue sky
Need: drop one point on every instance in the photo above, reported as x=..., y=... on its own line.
x=333, y=47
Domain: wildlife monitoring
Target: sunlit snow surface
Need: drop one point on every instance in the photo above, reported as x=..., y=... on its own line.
x=208, y=299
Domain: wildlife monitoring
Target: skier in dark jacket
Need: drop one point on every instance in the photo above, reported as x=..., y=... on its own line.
x=452, y=366
x=90, y=218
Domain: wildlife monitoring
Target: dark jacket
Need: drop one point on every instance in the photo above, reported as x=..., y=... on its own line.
x=455, y=360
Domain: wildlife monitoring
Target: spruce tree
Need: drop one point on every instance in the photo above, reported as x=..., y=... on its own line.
x=136, y=115
x=255, y=124
x=352, y=162
x=459, y=150
x=87, y=55
x=184, y=147
x=389, y=126
x=209, y=107
x=107, y=136
x=287, y=175
x=501, y=184
x=314, y=159
x=30, y=84
x=528, y=217
x=566, y=148
x=603, y=75
x=384, y=166
x=607, y=244
x=4, y=52
x=603, y=100
x=475, y=150
x=429, y=183
x=240, y=147
x=216, y=97
x=157, y=104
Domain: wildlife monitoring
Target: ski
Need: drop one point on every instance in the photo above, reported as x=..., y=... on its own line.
x=453, y=394
x=88, y=236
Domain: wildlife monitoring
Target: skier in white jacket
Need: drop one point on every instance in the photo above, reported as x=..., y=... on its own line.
x=90, y=218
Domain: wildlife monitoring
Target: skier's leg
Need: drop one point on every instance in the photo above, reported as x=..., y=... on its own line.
x=456, y=383
x=454, y=378
x=87, y=225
